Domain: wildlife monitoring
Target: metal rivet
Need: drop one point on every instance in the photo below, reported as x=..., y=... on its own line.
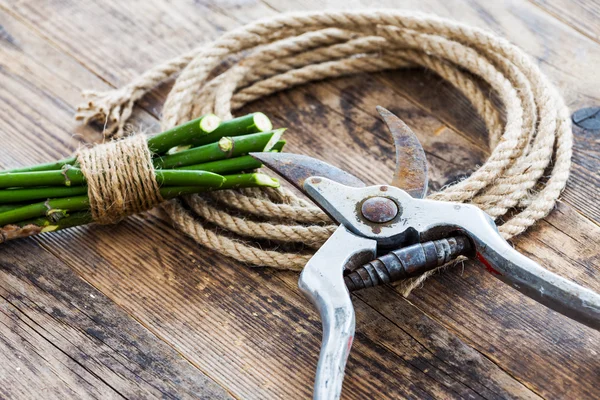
x=379, y=209
x=587, y=118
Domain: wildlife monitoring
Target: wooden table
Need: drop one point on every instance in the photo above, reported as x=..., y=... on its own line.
x=137, y=310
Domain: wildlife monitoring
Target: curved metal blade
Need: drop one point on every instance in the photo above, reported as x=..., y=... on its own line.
x=411, y=163
x=297, y=168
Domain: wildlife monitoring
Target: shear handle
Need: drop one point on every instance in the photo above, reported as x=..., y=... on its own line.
x=525, y=275
x=322, y=281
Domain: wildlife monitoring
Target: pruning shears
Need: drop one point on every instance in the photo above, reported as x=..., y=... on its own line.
x=410, y=234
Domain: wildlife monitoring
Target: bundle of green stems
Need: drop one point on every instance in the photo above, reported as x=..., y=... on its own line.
x=201, y=155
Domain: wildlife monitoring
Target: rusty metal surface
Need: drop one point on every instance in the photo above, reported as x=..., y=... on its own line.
x=411, y=163
x=407, y=262
x=379, y=209
x=296, y=168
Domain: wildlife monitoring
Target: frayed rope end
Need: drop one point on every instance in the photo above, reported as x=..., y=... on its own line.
x=110, y=108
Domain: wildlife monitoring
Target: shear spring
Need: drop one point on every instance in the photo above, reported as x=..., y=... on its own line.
x=407, y=262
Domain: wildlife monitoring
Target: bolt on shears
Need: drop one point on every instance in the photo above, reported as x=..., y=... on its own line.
x=390, y=232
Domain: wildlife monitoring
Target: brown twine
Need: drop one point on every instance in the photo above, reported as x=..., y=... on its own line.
x=120, y=178
x=526, y=171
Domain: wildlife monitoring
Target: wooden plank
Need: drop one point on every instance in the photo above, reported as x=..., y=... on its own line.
x=267, y=348
x=117, y=347
x=173, y=329
x=42, y=77
x=331, y=118
x=372, y=361
x=272, y=359
x=584, y=176
x=580, y=15
x=26, y=357
x=453, y=116
x=581, y=192
x=61, y=334
x=130, y=23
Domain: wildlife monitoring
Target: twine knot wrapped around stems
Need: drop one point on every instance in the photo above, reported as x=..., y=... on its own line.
x=120, y=178
x=292, y=49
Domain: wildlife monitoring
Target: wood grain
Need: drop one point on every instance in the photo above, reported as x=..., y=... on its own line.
x=75, y=343
x=264, y=320
x=250, y=331
x=580, y=15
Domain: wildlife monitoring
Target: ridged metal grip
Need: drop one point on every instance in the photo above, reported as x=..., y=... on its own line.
x=407, y=262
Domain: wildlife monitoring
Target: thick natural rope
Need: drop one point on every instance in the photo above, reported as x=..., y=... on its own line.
x=524, y=175
x=120, y=178
x=316, y=234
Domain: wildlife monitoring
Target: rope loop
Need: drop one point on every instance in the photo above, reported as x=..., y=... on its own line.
x=530, y=137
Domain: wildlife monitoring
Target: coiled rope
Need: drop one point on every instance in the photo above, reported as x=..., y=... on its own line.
x=519, y=183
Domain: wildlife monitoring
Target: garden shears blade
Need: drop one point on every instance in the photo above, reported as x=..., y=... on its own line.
x=381, y=218
x=411, y=172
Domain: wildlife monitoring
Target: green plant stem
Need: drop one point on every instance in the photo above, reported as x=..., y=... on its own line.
x=198, y=175
x=278, y=146
x=50, y=224
x=188, y=133
x=8, y=207
x=20, y=195
x=227, y=147
x=166, y=178
x=72, y=177
x=198, y=132
x=58, y=209
x=51, y=166
x=248, y=180
x=67, y=176
x=231, y=165
x=251, y=123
